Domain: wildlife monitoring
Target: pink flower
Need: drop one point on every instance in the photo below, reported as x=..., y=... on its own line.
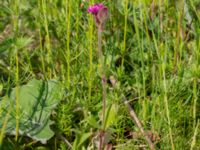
x=94, y=9
x=100, y=13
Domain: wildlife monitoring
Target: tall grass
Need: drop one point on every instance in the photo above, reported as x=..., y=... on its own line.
x=90, y=38
x=68, y=22
x=125, y=32
x=47, y=39
x=151, y=50
x=16, y=11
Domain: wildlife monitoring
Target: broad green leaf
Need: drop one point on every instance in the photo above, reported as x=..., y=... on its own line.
x=37, y=99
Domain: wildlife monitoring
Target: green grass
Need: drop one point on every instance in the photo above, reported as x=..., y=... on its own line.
x=152, y=53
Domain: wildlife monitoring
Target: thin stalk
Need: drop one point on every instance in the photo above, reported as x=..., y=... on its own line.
x=167, y=105
x=195, y=84
x=90, y=37
x=194, y=102
x=68, y=20
x=17, y=95
x=104, y=83
x=16, y=30
x=42, y=56
x=16, y=16
x=138, y=123
x=100, y=53
x=67, y=143
x=194, y=136
x=47, y=38
x=3, y=128
x=179, y=40
x=90, y=58
x=125, y=32
x=142, y=57
x=101, y=140
x=41, y=44
x=102, y=71
x=161, y=15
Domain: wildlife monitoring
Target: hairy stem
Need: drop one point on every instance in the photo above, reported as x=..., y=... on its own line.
x=100, y=53
x=103, y=76
x=104, y=83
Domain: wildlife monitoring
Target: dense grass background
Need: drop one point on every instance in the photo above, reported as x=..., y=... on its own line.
x=151, y=48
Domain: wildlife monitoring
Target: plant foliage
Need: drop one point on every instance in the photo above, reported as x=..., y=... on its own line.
x=37, y=100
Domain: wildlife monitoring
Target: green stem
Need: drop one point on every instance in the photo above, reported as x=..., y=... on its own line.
x=194, y=102
x=68, y=11
x=16, y=30
x=47, y=38
x=125, y=32
x=167, y=105
x=3, y=128
x=17, y=96
x=100, y=53
x=90, y=37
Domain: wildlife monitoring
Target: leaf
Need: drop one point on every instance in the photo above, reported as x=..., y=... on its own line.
x=5, y=45
x=92, y=121
x=83, y=138
x=111, y=115
x=11, y=44
x=80, y=139
x=22, y=42
x=37, y=99
x=1, y=88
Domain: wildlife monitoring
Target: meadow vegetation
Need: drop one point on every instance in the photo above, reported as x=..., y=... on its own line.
x=51, y=86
